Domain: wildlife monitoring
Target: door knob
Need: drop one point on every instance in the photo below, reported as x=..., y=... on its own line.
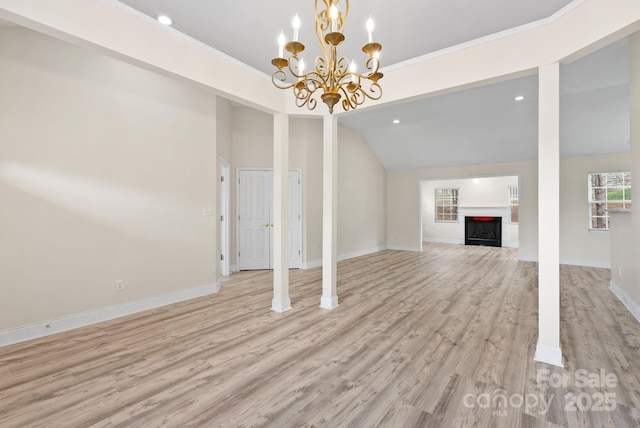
x=266, y=225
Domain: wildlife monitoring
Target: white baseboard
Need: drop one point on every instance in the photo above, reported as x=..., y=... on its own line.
x=234, y=268
x=587, y=263
x=343, y=257
x=312, y=264
x=626, y=300
x=403, y=248
x=83, y=319
x=506, y=244
x=355, y=254
x=549, y=355
x=444, y=240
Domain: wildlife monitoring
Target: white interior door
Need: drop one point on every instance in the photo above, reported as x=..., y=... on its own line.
x=254, y=219
x=255, y=224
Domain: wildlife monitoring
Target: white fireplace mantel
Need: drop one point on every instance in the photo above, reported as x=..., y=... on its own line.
x=503, y=212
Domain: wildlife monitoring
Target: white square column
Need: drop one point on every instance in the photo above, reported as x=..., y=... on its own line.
x=281, y=301
x=329, y=298
x=548, y=347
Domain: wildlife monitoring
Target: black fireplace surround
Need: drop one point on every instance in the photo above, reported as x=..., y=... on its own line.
x=485, y=231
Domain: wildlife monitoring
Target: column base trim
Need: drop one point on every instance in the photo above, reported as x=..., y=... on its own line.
x=549, y=355
x=329, y=302
x=281, y=305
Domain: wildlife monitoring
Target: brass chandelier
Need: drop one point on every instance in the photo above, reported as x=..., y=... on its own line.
x=332, y=78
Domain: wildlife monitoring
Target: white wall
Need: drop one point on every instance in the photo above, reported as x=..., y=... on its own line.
x=105, y=169
x=487, y=192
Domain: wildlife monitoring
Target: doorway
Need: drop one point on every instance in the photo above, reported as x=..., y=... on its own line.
x=224, y=217
x=446, y=204
x=255, y=218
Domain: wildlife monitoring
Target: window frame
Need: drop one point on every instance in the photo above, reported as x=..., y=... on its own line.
x=627, y=183
x=455, y=197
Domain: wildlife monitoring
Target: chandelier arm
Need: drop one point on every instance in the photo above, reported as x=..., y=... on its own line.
x=279, y=79
x=353, y=98
x=376, y=64
x=321, y=66
x=292, y=71
x=305, y=88
x=374, y=92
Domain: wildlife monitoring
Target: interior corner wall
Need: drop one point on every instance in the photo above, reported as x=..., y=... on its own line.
x=362, y=197
x=578, y=245
x=361, y=181
x=105, y=169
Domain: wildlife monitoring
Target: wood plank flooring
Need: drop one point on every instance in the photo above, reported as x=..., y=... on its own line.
x=442, y=338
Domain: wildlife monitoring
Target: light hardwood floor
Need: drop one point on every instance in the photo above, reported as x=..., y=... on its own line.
x=439, y=338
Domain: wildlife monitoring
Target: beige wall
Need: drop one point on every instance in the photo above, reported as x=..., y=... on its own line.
x=578, y=245
x=361, y=196
x=630, y=281
x=308, y=134
x=105, y=169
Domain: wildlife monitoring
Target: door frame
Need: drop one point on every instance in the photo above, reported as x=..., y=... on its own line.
x=225, y=202
x=237, y=192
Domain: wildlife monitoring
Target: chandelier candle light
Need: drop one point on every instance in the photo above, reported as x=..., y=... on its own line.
x=332, y=77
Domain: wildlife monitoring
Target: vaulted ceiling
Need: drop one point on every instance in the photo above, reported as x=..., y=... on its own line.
x=479, y=125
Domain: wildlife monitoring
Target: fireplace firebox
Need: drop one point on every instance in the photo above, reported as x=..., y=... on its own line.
x=485, y=231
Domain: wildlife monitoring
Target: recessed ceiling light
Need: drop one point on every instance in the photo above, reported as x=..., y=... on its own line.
x=396, y=121
x=519, y=98
x=476, y=180
x=164, y=20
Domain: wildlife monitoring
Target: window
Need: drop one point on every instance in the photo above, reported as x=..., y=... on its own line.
x=607, y=191
x=513, y=204
x=446, y=205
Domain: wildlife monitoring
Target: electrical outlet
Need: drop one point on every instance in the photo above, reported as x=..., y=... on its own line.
x=620, y=271
x=119, y=285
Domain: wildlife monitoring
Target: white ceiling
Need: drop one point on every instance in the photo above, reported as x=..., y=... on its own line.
x=486, y=124
x=473, y=126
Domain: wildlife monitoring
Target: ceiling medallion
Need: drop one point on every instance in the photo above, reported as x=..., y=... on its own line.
x=331, y=78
